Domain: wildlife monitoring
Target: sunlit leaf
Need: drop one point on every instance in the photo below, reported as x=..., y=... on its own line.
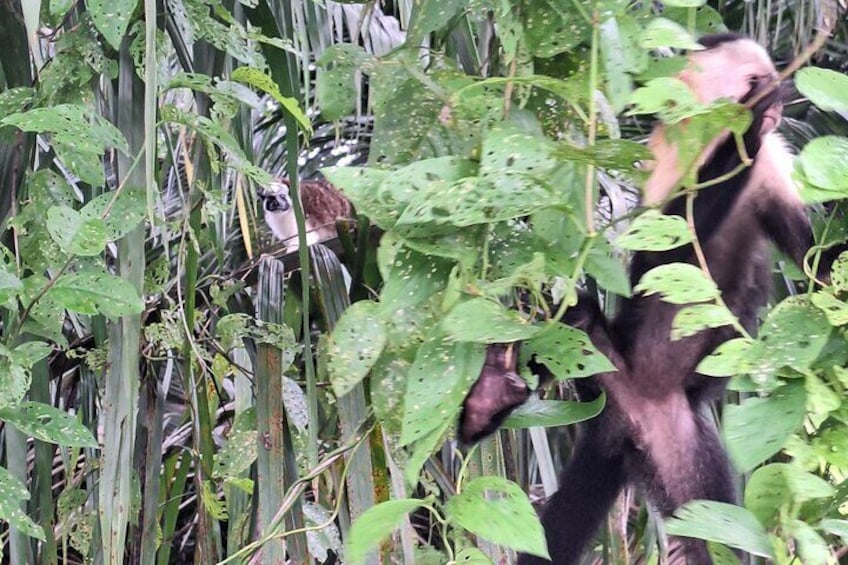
x=723, y=523
x=655, y=231
x=480, y=320
x=825, y=88
x=567, y=352
x=678, y=283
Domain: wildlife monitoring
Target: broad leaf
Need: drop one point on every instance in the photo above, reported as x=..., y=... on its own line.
x=551, y=413
x=437, y=383
x=44, y=422
x=758, y=428
x=779, y=485
x=567, y=352
x=825, y=164
x=825, y=88
x=12, y=494
x=376, y=524
x=75, y=233
x=356, y=343
x=698, y=317
x=655, y=231
x=111, y=17
x=678, y=283
x=481, y=320
x=498, y=510
x=723, y=523
x=92, y=292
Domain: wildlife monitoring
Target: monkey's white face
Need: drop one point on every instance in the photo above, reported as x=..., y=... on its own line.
x=277, y=208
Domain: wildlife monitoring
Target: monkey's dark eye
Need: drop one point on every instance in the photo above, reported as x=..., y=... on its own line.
x=276, y=203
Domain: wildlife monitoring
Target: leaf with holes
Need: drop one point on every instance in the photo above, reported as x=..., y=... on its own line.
x=10, y=286
x=111, y=18
x=567, y=352
x=839, y=272
x=793, y=335
x=14, y=383
x=388, y=389
x=722, y=523
x=678, y=283
x=94, y=292
x=780, y=486
x=549, y=32
x=355, y=345
x=698, y=317
x=662, y=32
x=727, y=360
x=834, y=309
x=655, y=231
x=437, y=383
x=758, y=428
x=120, y=212
x=12, y=494
x=259, y=80
x=498, y=510
x=552, y=413
x=75, y=233
x=411, y=278
x=335, y=84
x=481, y=320
x=359, y=185
x=44, y=422
x=377, y=523
x=241, y=449
x=79, y=137
x=825, y=88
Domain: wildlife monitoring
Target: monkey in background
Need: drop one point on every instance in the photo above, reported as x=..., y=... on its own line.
x=656, y=430
x=322, y=205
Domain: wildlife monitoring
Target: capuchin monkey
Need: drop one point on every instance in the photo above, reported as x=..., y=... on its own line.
x=656, y=430
x=322, y=204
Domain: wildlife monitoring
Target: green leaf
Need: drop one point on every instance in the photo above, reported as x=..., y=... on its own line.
x=678, y=283
x=759, y=427
x=551, y=413
x=75, y=233
x=811, y=546
x=472, y=556
x=44, y=422
x=727, y=359
x=12, y=494
x=793, y=335
x=14, y=383
x=567, y=352
x=437, y=383
x=111, y=18
x=549, y=32
x=836, y=527
x=79, y=137
x=779, y=485
x=335, y=84
x=698, y=317
x=825, y=88
x=661, y=32
x=29, y=353
x=355, y=345
x=93, y=292
x=375, y=524
x=839, y=272
x=121, y=212
x=411, y=278
x=824, y=161
x=10, y=285
x=498, y=510
x=834, y=309
x=241, y=449
x=723, y=523
x=481, y=320
x=655, y=231
x=261, y=81
x=684, y=3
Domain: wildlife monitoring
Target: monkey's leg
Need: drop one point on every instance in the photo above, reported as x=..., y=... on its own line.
x=684, y=461
x=594, y=476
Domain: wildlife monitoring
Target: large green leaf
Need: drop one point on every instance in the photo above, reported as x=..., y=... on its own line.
x=75, y=233
x=723, y=523
x=437, y=383
x=825, y=88
x=12, y=494
x=481, y=320
x=551, y=413
x=112, y=17
x=567, y=352
x=758, y=428
x=824, y=161
x=678, y=283
x=498, y=510
x=779, y=485
x=355, y=345
x=375, y=524
x=655, y=231
x=44, y=422
x=95, y=292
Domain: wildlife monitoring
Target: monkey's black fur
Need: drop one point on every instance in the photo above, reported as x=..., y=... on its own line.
x=656, y=429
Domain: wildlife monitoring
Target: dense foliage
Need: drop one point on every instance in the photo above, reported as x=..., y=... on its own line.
x=170, y=396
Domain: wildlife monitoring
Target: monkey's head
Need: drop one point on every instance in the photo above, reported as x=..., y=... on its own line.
x=736, y=68
x=275, y=198
x=277, y=208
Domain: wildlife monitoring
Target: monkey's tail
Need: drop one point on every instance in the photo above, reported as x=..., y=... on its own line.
x=589, y=486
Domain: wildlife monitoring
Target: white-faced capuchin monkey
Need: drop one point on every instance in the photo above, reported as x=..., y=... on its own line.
x=655, y=431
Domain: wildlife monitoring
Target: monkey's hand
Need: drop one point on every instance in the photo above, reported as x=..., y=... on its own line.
x=497, y=392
